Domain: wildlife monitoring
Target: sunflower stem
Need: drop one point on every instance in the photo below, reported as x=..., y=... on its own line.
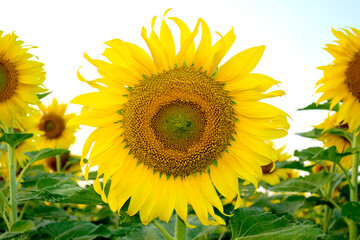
x=12, y=182
x=180, y=229
x=58, y=163
x=162, y=230
x=354, y=187
x=328, y=195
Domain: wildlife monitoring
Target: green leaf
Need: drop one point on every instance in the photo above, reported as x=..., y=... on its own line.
x=255, y=224
x=315, y=133
x=307, y=153
x=75, y=230
x=293, y=165
x=340, y=132
x=321, y=106
x=85, y=196
x=15, y=138
x=352, y=211
x=22, y=226
x=42, y=95
x=318, y=153
x=311, y=183
x=44, y=153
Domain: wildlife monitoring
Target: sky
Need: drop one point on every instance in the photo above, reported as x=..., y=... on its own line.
x=294, y=33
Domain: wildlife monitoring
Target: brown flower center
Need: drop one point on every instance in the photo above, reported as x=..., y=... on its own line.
x=353, y=76
x=178, y=122
x=52, y=125
x=8, y=80
x=267, y=168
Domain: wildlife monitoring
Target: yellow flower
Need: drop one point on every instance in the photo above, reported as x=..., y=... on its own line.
x=273, y=175
x=189, y=125
x=20, y=78
x=339, y=142
x=27, y=124
x=52, y=121
x=341, y=80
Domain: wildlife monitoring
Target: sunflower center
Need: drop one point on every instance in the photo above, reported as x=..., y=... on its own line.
x=267, y=168
x=52, y=125
x=353, y=76
x=8, y=80
x=178, y=122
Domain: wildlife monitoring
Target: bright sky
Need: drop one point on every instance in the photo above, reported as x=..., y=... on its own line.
x=294, y=33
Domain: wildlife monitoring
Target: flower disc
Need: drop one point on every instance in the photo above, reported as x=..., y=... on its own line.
x=178, y=122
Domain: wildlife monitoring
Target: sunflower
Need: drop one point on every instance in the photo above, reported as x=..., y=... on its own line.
x=341, y=80
x=174, y=127
x=28, y=125
x=52, y=121
x=20, y=80
x=329, y=140
x=273, y=175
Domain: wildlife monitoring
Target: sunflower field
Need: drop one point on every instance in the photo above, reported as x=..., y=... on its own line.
x=187, y=138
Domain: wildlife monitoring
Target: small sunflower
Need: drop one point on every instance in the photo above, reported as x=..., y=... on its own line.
x=341, y=80
x=28, y=125
x=273, y=175
x=173, y=127
x=329, y=140
x=52, y=121
x=20, y=80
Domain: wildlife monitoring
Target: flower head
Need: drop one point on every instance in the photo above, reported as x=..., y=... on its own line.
x=20, y=80
x=173, y=127
x=52, y=122
x=341, y=80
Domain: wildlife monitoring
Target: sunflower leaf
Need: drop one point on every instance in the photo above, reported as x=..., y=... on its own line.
x=307, y=153
x=85, y=196
x=44, y=153
x=321, y=106
x=18, y=228
x=76, y=230
x=311, y=183
x=352, y=210
x=15, y=138
x=340, y=132
x=315, y=133
x=293, y=165
x=42, y=95
x=255, y=224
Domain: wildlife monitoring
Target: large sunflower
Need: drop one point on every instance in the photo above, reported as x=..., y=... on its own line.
x=341, y=80
x=52, y=121
x=20, y=78
x=173, y=127
x=329, y=140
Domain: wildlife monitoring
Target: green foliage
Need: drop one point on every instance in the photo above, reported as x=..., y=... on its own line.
x=315, y=133
x=18, y=228
x=14, y=139
x=311, y=183
x=42, y=95
x=44, y=153
x=321, y=106
x=254, y=223
x=351, y=210
x=318, y=153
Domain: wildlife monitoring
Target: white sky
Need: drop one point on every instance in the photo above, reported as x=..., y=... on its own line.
x=294, y=33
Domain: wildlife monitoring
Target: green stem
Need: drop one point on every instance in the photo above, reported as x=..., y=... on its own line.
x=6, y=221
x=58, y=163
x=23, y=210
x=162, y=230
x=12, y=183
x=2, y=196
x=180, y=229
x=22, y=173
x=354, y=187
x=327, y=195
